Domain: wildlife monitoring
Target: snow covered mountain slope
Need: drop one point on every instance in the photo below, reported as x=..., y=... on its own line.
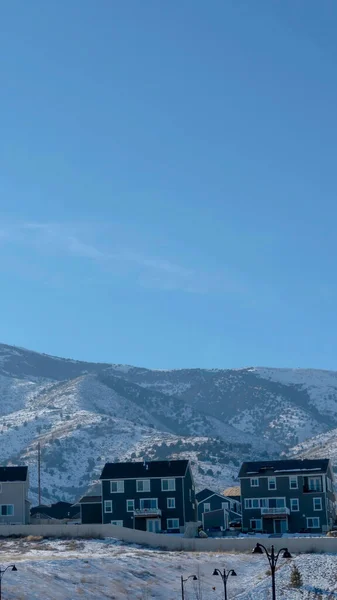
x=84, y=414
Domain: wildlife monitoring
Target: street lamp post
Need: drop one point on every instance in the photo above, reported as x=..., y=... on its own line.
x=183, y=581
x=272, y=559
x=224, y=576
x=3, y=571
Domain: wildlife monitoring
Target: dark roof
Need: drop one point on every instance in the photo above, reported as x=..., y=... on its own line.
x=59, y=510
x=203, y=494
x=13, y=473
x=271, y=467
x=90, y=500
x=141, y=470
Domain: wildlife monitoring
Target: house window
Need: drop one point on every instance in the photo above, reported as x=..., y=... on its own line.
x=224, y=505
x=271, y=483
x=315, y=484
x=147, y=503
x=108, y=506
x=118, y=523
x=143, y=485
x=294, y=505
x=317, y=503
x=313, y=523
x=254, y=482
x=252, y=503
x=7, y=510
x=168, y=485
x=116, y=487
x=130, y=505
x=293, y=482
x=256, y=524
x=171, y=502
x=207, y=507
x=172, y=523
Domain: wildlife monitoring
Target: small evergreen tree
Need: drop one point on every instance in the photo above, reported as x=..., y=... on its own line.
x=296, y=577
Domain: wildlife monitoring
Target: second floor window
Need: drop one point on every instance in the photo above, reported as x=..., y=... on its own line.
x=143, y=485
x=254, y=482
x=294, y=505
x=207, y=507
x=168, y=485
x=293, y=482
x=146, y=503
x=317, y=503
x=315, y=484
x=117, y=487
x=271, y=483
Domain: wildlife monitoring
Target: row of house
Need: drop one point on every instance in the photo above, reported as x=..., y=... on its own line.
x=159, y=496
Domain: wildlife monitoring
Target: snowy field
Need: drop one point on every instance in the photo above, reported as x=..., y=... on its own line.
x=99, y=569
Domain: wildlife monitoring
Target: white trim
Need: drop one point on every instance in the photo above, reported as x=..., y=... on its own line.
x=271, y=489
x=133, y=505
x=117, y=481
x=141, y=500
x=255, y=479
x=208, y=504
x=172, y=526
x=255, y=528
x=131, y=478
x=148, y=521
x=8, y=515
x=293, y=477
x=147, y=481
x=314, y=527
x=167, y=503
x=298, y=505
x=106, y=504
x=321, y=504
x=168, y=489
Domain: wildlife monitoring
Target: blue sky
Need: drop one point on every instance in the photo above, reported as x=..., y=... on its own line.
x=168, y=181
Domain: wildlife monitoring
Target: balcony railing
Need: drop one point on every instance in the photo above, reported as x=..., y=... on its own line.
x=284, y=510
x=147, y=512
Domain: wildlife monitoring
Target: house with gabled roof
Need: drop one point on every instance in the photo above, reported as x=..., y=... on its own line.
x=14, y=503
x=289, y=495
x=151, y=495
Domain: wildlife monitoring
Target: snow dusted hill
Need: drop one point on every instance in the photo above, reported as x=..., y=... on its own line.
x=84, y=414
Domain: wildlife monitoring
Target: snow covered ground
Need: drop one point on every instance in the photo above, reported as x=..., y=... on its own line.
x=98, y=569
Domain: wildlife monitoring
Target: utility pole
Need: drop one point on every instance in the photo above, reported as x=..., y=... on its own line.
x=39, y=471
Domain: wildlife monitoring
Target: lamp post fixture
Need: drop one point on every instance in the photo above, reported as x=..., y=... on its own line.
x=183, y=581
x=224, y=576
x=3, y=571
x=272, y=558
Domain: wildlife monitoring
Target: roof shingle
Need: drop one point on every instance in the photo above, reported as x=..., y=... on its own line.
x=142, y=470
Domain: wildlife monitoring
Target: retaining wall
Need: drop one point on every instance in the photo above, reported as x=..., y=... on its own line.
x=171, y=542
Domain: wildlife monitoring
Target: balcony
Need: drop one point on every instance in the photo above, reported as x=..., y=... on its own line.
x=275, y=512
x=147, y=512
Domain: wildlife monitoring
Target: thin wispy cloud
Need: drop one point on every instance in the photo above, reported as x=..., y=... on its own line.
x=149, y=271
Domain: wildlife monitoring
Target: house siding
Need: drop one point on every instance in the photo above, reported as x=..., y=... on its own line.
x=215, y=503
x=15, y=493
x=297, y=520
x=91, y=513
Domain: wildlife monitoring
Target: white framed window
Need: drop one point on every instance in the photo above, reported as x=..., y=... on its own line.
x=108, y=506
x=315, y=484
x=118, y=523
x=256, y=524
x=171, y=502
x=271, y=483
x=254, y=482
x=147, y=503
x=313, y=523
x=130, y=505
x=7, y=510
x=143, y=485
x=207, y=507
x=224, y=505
x=294, y=505
x=293, y=482
x=116, y=487
x=317, y=502
x=168, y=485
x=172, y=523
x=252, y=503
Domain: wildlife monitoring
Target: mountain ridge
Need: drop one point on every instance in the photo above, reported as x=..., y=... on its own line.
x=84, y=414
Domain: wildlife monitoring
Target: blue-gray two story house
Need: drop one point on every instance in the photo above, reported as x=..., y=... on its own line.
x=150, y=496
x=282, y=496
